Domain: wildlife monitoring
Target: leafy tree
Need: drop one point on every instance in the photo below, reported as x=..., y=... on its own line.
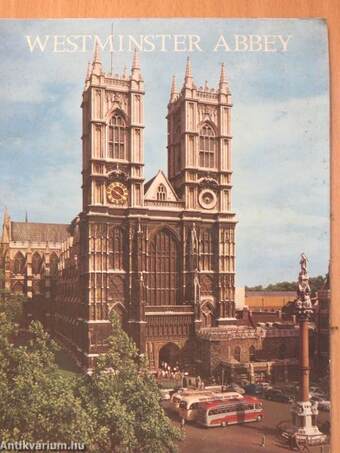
x=115, y=410
x=123, y=399
x=316, y=283
x=37, y=403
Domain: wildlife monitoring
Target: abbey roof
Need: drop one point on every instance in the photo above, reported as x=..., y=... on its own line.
x=39, y=232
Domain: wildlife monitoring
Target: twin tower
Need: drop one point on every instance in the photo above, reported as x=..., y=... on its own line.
x=161, y=253
x=199, y=138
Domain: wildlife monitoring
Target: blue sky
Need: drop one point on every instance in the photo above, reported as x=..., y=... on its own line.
x=280, y=129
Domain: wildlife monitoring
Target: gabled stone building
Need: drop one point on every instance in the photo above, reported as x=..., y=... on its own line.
x=29, y=256
x=161, y=253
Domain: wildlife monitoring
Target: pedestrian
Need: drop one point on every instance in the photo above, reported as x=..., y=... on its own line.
x=293, y=442
x=198, y=382
x=263, y=442
x=182, y=423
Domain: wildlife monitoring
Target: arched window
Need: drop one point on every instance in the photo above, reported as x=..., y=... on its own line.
x=207, y=152
x=18, y=288
x=117, y=138
x=19, y=263
x=117, y=249
x=252, y=354
x=161, y=193
x=36, y=263
x=206, y=250
x=54, y=264
x=36, y=287
x=237, y=353
x=163, y=276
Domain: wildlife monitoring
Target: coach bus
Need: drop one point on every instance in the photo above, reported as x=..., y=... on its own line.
x=177, y=397
x=189, y=403
x=224, y=413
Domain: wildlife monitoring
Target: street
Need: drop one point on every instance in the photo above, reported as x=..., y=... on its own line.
x=242, y=438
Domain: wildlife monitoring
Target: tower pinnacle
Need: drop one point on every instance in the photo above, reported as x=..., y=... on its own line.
x=135, y=68
x=96, y=65
x=5, y=237
x=223, y=85
x=173, y=89
x=188, y=74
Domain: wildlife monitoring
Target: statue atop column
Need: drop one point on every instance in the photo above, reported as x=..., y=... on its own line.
x=304, y=307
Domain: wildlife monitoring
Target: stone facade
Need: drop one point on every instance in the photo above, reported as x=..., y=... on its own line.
x=246, y=353
x=29, y=257
x=160, y=254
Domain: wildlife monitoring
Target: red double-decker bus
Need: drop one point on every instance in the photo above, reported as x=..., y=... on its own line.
x=224, y=413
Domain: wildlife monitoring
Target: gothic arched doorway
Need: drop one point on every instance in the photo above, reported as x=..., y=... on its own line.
x=169, y=353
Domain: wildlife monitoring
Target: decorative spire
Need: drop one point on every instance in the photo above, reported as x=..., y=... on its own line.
x=26, y=217
x=6, y=216
x=88, y=74
x=188, y=69
x=173, y=93
x=135, y=61
x=96, y=58
x=5, y=237
x=135, y=68
x=223, y=85
x=96, y=65
x=188, y=74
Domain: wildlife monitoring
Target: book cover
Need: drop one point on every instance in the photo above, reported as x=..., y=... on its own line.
x=175, y=173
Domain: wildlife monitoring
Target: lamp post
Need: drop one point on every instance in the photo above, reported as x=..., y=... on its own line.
x=305, y=411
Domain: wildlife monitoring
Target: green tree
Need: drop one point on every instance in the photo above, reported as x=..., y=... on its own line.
x=123, y=399
x=115, y=410
x=37, y=403
x=316, y=283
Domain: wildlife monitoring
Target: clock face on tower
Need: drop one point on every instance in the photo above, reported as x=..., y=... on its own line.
x=207, y=199
x=117, y=193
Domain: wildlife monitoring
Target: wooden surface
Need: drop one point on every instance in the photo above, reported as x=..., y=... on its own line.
x=234, y=8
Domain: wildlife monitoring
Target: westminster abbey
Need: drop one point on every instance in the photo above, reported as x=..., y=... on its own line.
x=161, y=253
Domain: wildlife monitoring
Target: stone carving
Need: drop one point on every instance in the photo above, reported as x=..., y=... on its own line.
x=118, y=175
x=209, y=182
x=207, y=113
x=116, y=101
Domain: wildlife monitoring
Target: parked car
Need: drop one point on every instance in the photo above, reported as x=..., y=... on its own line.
x=254, y=389
x=235, y=388
x=326, y=427
x=165, y=394
x=277, y=395
x=244, y=383
x=265, y=385
x=323, y=404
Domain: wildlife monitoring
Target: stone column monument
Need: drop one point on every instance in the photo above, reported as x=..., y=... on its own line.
x=304, y=410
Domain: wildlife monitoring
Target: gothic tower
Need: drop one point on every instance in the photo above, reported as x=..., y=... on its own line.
x=199, y=168
x=113, y=125
x=111, y=235
x=199, y=142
